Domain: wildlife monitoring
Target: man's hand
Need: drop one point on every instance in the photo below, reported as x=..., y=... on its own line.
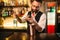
x=30, y=20
x=14, y=15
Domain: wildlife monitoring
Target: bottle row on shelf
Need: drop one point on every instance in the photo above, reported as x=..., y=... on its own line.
x=13, y=2
x=7, y=12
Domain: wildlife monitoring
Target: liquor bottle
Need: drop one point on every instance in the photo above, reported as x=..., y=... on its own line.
x=1, y=3
x=22, y=3
x=5, y=12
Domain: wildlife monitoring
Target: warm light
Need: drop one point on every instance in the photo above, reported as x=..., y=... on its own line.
x=9, y=24
x=5, y=1
x=58, y=11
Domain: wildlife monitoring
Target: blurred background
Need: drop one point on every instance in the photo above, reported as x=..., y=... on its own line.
x=11, y=29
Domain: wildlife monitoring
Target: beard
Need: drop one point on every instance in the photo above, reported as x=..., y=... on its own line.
x=34, y=11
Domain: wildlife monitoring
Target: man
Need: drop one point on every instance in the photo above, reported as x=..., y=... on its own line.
x=35, y=18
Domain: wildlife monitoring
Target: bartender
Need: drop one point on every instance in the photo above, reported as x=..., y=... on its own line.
x=35, y=18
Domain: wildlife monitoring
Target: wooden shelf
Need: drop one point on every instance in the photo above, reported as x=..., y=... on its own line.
x=14, y=6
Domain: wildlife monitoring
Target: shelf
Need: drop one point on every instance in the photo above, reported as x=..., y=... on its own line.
x=14, y=6
x=11, y=29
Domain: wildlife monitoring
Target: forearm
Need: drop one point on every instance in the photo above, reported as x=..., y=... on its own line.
x=37, y=27
x=18, y=19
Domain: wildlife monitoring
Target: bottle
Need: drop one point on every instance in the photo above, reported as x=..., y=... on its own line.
x=5, y=12
x=23, y=11
x=1, y=3
x=15, y=22
x=22, y=2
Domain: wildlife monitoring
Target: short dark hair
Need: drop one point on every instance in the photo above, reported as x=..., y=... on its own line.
x=37, y=1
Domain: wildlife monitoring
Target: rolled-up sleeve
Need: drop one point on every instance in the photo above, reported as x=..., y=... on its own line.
x=23, y=18
x=42, y=21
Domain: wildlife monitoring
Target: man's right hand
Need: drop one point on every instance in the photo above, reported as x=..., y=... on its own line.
x=14, y=15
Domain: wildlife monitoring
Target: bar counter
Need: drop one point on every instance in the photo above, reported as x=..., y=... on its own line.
x=26, y=36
